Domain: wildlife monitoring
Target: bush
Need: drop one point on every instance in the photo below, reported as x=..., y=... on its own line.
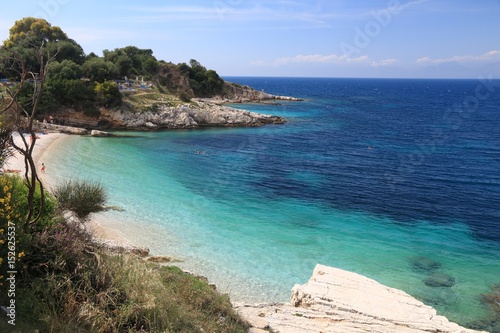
x=14, y=243
x=80, y=197
x=184, y=95
x=5, y=148
x=108, y=94
x=77, y=286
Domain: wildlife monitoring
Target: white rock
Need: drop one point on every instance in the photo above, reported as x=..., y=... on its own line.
x=334, y=300
x=99, y=133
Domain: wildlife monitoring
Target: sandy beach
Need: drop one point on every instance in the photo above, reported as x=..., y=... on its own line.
x=44, y=145
x=15, y=163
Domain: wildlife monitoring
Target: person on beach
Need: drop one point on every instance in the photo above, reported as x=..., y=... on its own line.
x=43, y=167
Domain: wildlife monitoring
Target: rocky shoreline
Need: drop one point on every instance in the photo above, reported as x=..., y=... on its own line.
x=203, y=114
x=199, y=113
x=334, y=300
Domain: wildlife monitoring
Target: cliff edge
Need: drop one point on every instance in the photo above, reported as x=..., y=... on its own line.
x=334, y=300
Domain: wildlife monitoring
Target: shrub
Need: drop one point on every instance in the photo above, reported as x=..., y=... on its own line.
x=108, y=94
x=14, y=243
x=80, y=197
x=77, y=286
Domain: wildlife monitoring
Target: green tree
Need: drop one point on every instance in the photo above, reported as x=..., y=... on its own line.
x=99, y=70
x=205, y=83
x=67, y=50
x=131, y=60
x=35, y=30
x=71, y=92
x=108, y=94
x=65, y=70
x=30, y=34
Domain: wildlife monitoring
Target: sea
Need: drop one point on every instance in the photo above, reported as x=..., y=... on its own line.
x=394, y=179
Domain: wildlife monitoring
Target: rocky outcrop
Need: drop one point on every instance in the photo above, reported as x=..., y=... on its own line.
x=62, y=129
x=334, y=300
x=235, y=93
x=201, y=114
x=100, y=133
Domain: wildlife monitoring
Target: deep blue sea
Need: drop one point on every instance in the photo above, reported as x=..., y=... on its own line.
x=398, y=180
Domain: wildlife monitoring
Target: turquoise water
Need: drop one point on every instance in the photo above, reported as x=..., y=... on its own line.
x=262, y=206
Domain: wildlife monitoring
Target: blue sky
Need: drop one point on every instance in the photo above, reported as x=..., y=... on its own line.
x=331, y=38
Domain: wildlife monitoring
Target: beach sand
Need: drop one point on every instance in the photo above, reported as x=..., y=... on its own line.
x=44, y=146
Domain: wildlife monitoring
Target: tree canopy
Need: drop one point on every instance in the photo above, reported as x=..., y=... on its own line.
x=69, y=65
x=35, y=31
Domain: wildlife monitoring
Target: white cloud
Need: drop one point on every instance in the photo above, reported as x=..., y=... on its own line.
x=249, y=11
x=490, y=56
x=327, y=59
x=411, y=3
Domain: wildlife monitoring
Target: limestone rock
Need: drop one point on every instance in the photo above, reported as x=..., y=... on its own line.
x=69, y=129
x=100, y=133
x=334, y=300
x=201, y=114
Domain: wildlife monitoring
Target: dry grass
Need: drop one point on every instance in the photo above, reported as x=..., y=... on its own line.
x=75, y=286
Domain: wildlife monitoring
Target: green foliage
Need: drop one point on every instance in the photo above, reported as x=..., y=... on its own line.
x=184, y=95
x=5, y=148
x=64, y=87
x=132, y=61
x=80, y=197
x=108, y=94
x=75, y=286
x=13, y=240
x=20, y=193
x=71, y=93
x=200, y=304
x=34, y=30
x=28, y=35
x=99, y=70
x=205, y=83
x=67, y=50
x=65, y=70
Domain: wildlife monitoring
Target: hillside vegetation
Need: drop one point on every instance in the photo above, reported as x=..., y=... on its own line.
x=87, y=82
x=53, y=276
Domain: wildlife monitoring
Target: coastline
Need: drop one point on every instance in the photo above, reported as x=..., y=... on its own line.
x=262, y=315
x=45, y=145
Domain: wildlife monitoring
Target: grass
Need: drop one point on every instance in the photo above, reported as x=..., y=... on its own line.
x=74, y=285
x=148, y=101
x=82, y=197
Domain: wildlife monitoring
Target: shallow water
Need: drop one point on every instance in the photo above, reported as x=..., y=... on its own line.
x=366, y=176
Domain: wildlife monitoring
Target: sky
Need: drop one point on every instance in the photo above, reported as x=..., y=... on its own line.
x=298, y=38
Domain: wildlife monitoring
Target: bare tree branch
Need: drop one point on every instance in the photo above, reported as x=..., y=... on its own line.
x=23, y=120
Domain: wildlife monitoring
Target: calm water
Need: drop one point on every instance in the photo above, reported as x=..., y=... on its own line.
x=367, y=175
